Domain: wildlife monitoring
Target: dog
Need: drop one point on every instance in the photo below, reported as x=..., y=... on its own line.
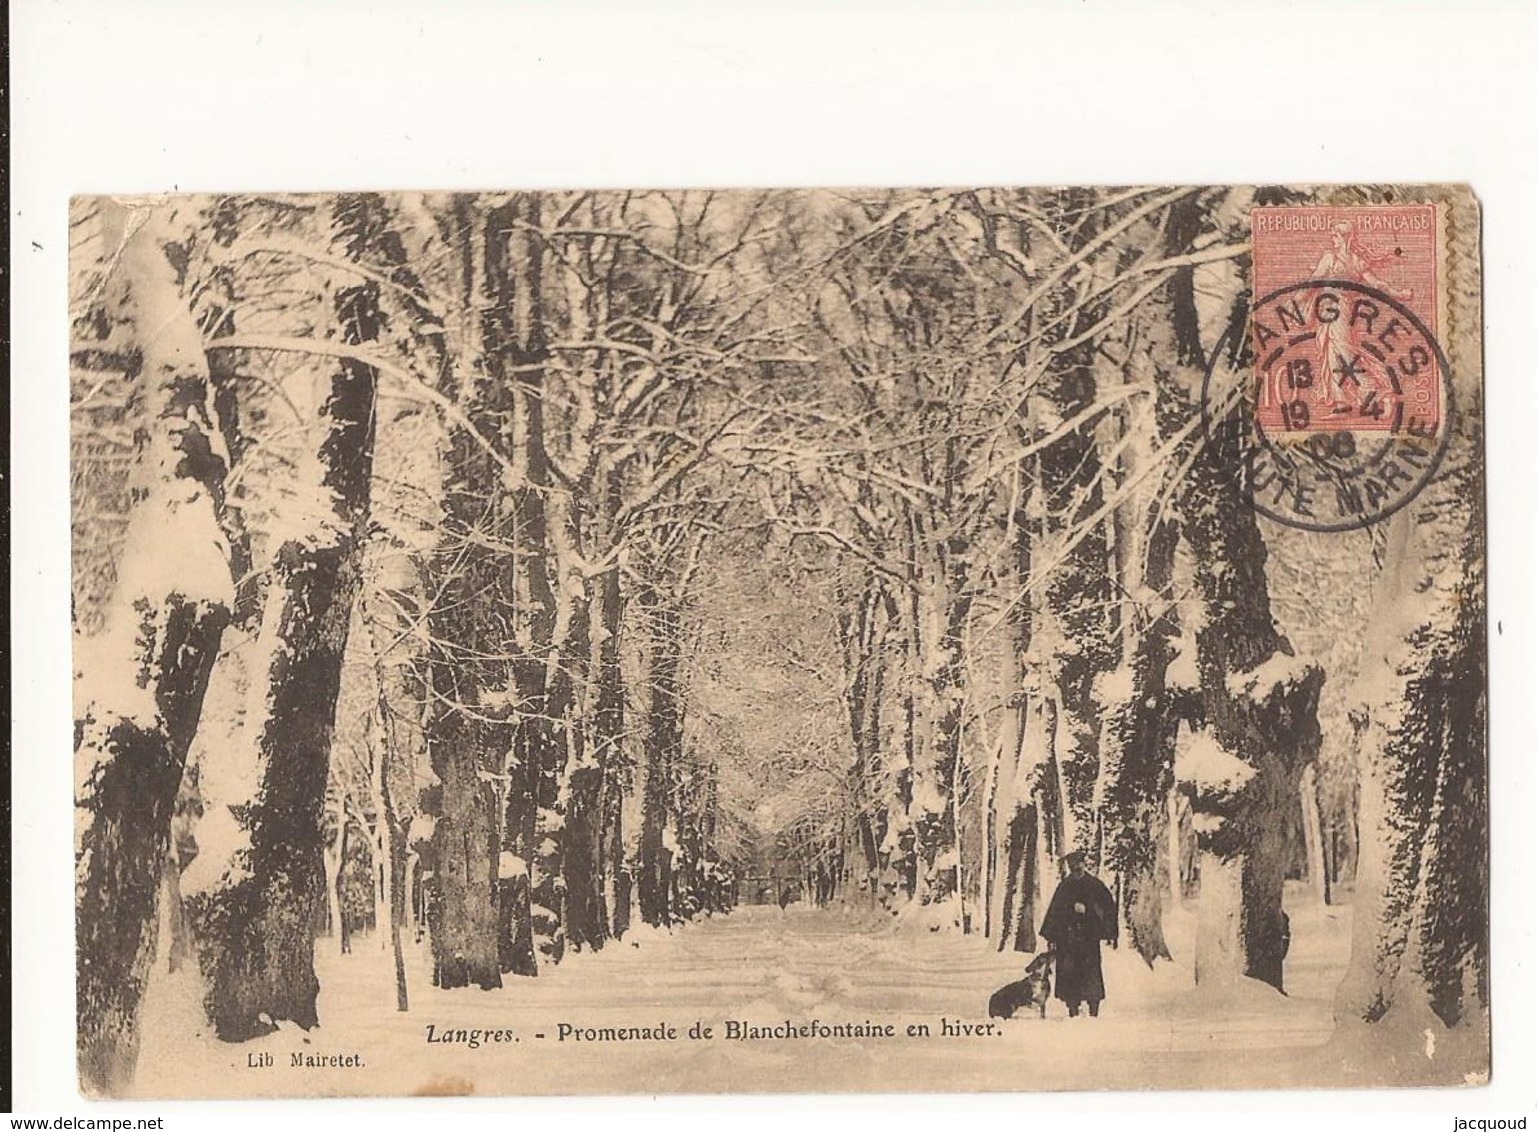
x=1031, y=991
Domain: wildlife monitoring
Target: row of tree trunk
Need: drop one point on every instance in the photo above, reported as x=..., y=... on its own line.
x=1021, y=494
x=519, y=850
x=1110, y=672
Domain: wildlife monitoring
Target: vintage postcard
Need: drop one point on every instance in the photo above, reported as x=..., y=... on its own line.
x=779, y=641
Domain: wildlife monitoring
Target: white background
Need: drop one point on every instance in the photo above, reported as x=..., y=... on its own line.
x=158, y=95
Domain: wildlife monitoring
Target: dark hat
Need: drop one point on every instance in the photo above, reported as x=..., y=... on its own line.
x=1076, y=857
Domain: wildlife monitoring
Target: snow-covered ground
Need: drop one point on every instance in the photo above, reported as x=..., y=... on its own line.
x=765, y=967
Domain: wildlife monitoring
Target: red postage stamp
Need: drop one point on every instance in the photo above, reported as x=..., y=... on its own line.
x=1344, y=327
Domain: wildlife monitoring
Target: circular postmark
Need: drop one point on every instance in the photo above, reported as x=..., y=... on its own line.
x=1331, y=403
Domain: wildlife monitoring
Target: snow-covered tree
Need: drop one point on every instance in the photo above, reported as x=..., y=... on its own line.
x=257, y=884
x=1420, y=960
x=141, y=680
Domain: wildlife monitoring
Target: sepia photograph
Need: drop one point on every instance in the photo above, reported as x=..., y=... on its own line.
x=779, y=641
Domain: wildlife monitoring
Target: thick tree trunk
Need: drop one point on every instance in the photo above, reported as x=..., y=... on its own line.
x=513, y=332
x=687, y=860
x=1031, y=822
x=464, y=919
x=586, y=914
x=1016, y=826
x=586, y=917
x=1136, y=849
x=1261, y=707
x=1139, y=719
x=580, y=781
x=1257, y=701
x=476, y=870
x=253, y=920
x=1137, y=746
x=1075, y=635
x=1421, y=949
x=623, y=890
x=939, y=838
x=516, y=947
x=142, y=683
x=1020, y=890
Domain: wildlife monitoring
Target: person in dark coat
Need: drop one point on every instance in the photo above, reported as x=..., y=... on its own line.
x=1082, y=912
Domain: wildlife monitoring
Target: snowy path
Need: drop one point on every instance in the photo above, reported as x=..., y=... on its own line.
x=765, y=967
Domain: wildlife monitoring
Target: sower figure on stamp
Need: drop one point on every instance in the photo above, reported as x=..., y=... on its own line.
x=1340, y=358
x=1082, y=912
